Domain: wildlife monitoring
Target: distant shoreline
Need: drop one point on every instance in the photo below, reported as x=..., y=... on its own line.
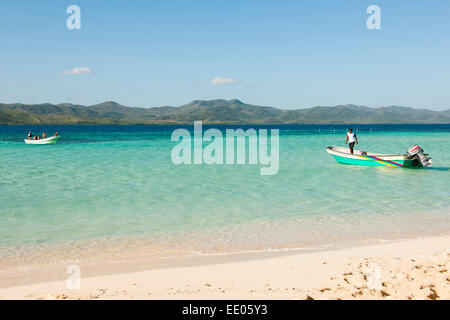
x=218, y=111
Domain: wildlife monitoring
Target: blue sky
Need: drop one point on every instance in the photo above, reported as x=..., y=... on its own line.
x=287, y=54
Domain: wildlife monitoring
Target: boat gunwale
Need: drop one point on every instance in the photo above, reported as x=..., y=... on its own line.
x=42, y=141
x=332, y=150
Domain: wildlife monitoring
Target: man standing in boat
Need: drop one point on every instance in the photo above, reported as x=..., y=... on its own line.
x=351, y=138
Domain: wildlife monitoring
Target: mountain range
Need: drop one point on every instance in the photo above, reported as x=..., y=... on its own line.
x=214, y=112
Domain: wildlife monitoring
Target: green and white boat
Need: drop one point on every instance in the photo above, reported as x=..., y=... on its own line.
x=51, y=140
x=414, y=158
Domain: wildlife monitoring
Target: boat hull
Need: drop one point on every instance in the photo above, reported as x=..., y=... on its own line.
x=342, y=155
x=371, y=163
x=51, y=140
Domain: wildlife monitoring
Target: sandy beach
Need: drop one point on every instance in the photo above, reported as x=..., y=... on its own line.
x=406, y=269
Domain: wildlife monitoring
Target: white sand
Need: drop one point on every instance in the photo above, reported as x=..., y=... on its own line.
x=409, y=269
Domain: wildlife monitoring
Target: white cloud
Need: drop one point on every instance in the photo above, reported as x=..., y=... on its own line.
x=77, y=71
x=217, y=81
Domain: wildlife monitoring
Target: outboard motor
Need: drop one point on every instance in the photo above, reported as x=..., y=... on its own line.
x=416, y=151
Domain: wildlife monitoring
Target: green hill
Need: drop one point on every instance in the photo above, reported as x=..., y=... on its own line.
x=212, y=111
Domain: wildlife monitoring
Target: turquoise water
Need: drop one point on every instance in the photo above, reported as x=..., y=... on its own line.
x=114, y=189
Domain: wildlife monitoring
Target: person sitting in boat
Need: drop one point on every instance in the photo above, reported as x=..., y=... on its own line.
x=44, y=135
x=56, y=134
x=351, y=139
x=30, y=136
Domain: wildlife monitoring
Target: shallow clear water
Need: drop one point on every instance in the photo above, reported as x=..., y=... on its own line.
x=115, y=190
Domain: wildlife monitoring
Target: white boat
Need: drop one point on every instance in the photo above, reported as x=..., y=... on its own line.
x=51, y=140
